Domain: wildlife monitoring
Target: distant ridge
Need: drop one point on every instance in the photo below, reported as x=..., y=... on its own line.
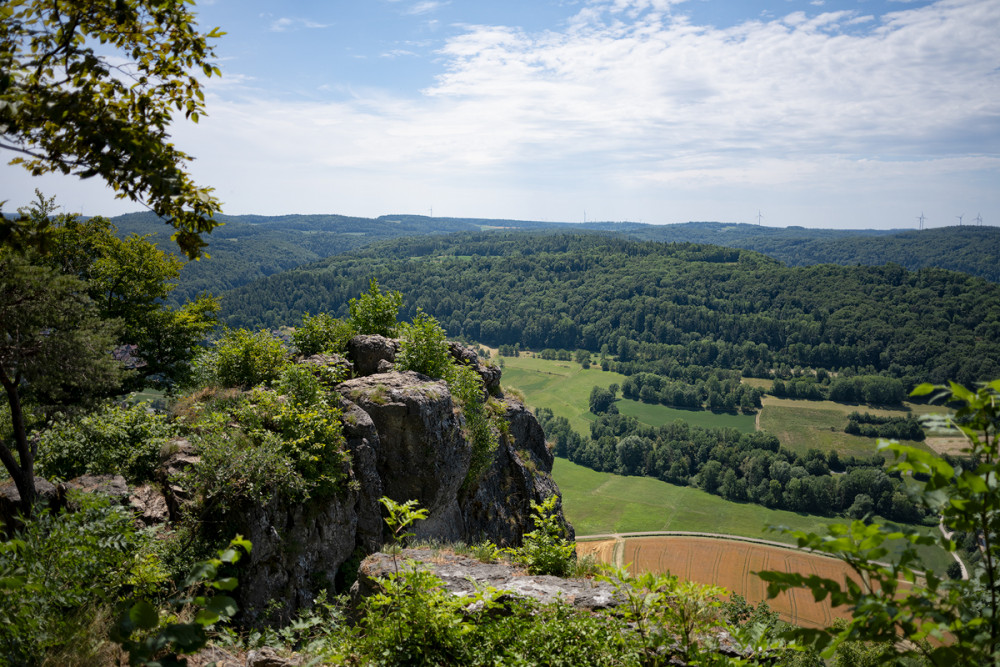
x=251, y=247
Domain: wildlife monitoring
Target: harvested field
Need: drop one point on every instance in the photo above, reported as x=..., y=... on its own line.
x=948, y=445
x=731, y=564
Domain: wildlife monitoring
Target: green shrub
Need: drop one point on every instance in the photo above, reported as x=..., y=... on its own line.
x=264, y=444
x=545, y=549
x=467, y=388
x=114, y=440
x=58, y=574
x=423, y=347
x=246, y=359
x=321, y=333
x=154, y=641
x=375, y=312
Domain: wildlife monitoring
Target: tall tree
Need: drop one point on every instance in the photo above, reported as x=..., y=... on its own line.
x=128, y=280
x=90, y=88
x=53, y=347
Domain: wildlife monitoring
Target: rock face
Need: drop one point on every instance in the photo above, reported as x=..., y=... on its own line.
x=420, y=451
x=368, y=352
x=407, y=441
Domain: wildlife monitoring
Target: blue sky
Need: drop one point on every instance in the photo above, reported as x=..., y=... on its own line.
x=822, y=113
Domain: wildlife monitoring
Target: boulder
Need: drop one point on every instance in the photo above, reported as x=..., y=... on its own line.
x=149, y=505
x=420, y=451
x=368, y=351
x=468, y=357
x=10, y=501
x=113, y=486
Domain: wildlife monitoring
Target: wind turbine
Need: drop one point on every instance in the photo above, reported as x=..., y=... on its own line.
x=979, y=219
x=921, y=219
x=960, y=219
x=759, y=217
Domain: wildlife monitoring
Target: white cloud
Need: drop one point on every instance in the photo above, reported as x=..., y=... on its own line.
x=634, y=108
x=424, y=7
x=285, y=24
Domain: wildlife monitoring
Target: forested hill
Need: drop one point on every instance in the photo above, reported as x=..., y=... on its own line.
x=697, y=304
x=968, y=249
x=250, y=247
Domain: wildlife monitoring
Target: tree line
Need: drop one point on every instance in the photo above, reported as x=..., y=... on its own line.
x=741, y=467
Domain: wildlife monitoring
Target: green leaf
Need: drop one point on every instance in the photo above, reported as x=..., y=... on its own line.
x=187, y=637
x=144, y=615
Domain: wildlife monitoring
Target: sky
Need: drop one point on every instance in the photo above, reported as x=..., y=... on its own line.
x=821, y=113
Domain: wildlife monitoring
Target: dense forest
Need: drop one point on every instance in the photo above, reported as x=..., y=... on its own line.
x=250, y=247
x=643, y=302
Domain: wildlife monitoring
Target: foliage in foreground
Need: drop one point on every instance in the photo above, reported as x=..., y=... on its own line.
x=945, y=621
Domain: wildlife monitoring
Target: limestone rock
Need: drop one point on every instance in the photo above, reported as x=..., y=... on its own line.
x=368, y=351
x=297, y=551
x=420, y=451
x=498, y=508
x=149, y=505
x=10, y=500
x=178, y=456
x=113, y=486
x=362, y=441
x=468, y=357
x=463, y=575
x=268, y=657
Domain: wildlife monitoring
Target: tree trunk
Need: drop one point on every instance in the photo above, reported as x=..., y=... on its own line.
x=22, y=470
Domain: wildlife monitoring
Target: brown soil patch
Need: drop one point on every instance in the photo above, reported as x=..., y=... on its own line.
x=733, y=564
x=947, y=445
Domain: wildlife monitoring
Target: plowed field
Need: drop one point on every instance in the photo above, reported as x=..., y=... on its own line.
x=729, y=563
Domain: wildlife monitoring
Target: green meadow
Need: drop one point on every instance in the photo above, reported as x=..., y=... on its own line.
x=564, y=387
x=801, y=425
x=598, y=502
x=656, y=415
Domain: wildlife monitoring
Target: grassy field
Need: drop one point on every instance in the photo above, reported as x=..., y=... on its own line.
x=656, y=415
x=562, y=386
x=801, y=425
x=597, y=502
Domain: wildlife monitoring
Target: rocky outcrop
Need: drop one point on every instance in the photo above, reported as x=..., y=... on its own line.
x=466, y=356
x=420, y=451
x=498, y=506
x=113, y=486
x=407, y=441
x=463, y=576
x=371, y=354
